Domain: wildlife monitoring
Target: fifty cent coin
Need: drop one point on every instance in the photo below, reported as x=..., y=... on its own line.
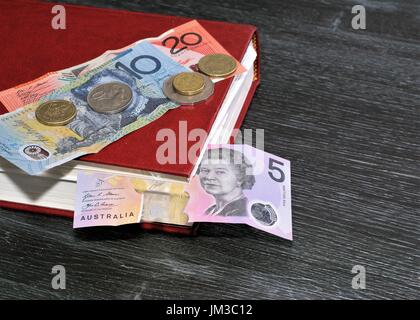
x=56, y=112
x=113, y=97
x=217, y=65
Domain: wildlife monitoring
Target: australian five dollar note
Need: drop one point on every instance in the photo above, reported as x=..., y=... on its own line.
x=35, y=147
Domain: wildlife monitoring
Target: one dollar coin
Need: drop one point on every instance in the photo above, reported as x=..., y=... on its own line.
x=217, y=65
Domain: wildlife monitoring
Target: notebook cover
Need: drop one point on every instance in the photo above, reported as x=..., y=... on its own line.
x=34, y=48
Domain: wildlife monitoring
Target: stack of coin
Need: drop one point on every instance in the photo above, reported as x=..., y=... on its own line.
x=188, y=88
x=56, y=112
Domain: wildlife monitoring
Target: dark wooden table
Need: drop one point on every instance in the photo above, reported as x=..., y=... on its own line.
x=344, y=106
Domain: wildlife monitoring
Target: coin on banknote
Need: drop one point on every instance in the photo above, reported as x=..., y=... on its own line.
x=217, y=65
x=56, y=112
x=172, y=94
x=188, y=83
x=112, y=97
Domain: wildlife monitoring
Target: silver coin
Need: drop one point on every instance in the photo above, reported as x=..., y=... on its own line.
x=170, y=92
x=110, y=98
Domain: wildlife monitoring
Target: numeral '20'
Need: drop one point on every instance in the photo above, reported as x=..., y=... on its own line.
x=183, y=41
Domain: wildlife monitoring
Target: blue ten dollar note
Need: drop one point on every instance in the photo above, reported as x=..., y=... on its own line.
x=34, y=147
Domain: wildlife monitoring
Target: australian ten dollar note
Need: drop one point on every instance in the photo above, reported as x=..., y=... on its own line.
x=34, y=147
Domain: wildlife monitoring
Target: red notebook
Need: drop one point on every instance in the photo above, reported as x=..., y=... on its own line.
x=31, y=48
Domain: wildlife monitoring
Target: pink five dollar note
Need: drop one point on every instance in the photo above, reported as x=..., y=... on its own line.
x=240, y=184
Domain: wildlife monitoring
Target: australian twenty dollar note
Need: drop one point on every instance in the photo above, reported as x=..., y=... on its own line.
x=34, y=147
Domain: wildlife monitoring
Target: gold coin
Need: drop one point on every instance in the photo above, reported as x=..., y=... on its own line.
x=188, y=83
x=56, y=112
x=217, y=65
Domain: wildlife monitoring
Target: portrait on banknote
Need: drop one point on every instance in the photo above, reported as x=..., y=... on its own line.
x=224, y=174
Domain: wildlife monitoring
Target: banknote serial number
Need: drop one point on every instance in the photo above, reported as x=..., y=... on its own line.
x=212, y=310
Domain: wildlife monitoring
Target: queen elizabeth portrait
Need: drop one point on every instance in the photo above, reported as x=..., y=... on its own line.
x=225, y=173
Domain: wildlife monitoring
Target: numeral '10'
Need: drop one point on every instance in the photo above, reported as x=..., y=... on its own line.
x=135, y=71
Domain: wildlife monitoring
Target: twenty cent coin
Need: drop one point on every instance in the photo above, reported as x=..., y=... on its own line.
x=113, y=97
x=188, y=83
x=56, y=112
x=169, y=91
x=217, y=65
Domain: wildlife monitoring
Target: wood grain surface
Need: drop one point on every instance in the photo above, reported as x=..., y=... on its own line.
x=343, y=105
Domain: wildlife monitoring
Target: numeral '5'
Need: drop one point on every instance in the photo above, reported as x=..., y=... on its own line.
x=273, y=168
